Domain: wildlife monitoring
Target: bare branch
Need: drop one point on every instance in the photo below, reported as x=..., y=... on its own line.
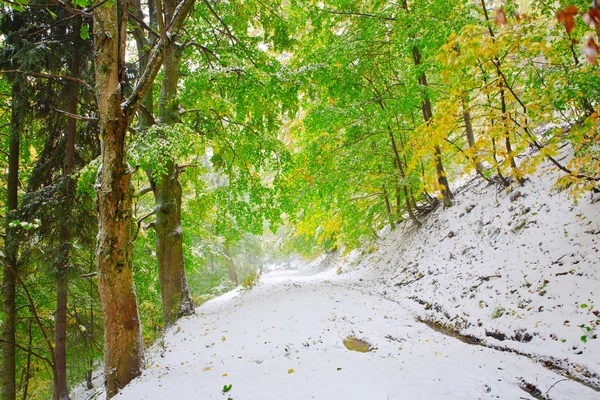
x=142, y=24
x=139, y=223
x=144, y=191
x=74, y=116
x=41, y=357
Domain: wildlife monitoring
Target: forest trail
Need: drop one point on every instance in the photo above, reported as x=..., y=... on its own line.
x=283, y=339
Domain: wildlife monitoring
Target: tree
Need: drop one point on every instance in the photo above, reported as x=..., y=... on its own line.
x=123, y=349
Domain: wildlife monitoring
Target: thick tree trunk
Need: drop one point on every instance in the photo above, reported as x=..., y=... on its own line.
x=175, y=294
x=8, y=375
x=123, y=350
x=61, y=389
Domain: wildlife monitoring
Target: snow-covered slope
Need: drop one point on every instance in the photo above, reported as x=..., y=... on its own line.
x=506, y=270
x=517, y=270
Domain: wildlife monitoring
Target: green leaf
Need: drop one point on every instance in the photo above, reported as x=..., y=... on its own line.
x=584, y=305
x=339, y=369
x=584, y=339
x=227, y=388
x=85, y=32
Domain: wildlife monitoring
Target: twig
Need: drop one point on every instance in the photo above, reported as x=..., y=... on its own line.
x=139, y=223
x=554, y=384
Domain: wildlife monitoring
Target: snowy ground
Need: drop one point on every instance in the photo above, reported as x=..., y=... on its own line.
x=509, y=270
x=284, y=340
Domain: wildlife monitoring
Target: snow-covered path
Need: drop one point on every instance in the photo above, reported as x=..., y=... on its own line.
x=284, y=340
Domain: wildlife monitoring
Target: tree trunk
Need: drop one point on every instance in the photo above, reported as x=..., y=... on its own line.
x=28, y=365
x=388, y=206
x=427, y=115
x=503, y=106
x=175, y=294
x=8, y=375
x=398, y=165
x=61, y=389
x=231, y=266
x=123, y=350
x=509, y=154
x=471, y=137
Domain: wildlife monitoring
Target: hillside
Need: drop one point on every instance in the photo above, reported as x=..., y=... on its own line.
x=445, y=308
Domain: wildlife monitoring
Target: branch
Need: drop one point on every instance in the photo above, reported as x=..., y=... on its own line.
x=35, y=313
x=49, y=76
x=41, y=357
x=359, y=14
x=142, y=24
x=155, y=60
x=232, y=38
x=139, y=223
x=73, y=116
x=144, y=191
x=181, y=168
x=70, y=9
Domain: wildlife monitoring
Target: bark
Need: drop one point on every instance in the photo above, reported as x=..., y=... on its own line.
x=123, y=350
x=61, y=389
x=175, y=294
x=8, y=375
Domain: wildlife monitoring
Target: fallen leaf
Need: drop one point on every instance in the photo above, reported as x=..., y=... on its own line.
x=291, y=371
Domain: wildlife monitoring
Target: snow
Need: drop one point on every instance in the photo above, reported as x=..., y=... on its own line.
x=486, y=266
x=515, y=265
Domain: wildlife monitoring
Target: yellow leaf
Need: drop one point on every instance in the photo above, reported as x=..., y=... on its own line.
x=291, y=370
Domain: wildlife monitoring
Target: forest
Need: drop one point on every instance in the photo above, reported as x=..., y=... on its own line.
x=157, y=154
